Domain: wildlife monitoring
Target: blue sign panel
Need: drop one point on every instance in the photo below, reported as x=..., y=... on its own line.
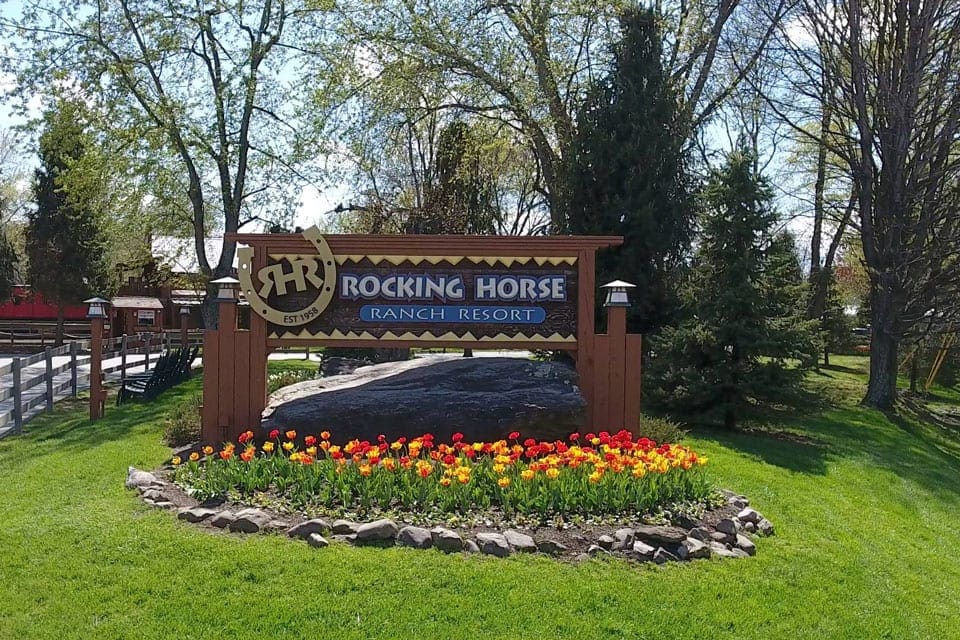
x=452, y=314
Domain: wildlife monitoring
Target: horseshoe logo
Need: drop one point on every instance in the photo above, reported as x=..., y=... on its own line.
x=304, y=270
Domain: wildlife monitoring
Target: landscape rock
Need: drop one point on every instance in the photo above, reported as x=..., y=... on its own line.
x=721, y=551
x=304, y=529
x=728, y=526
x=161, y=504
x=691, y=549
x=349, y=538
x=700, y=533
x=746, y=544
x=686, y=521
x=446, y=540
x=551, y=547
x=470, y=546
x=482, y=398
x=382, y=529
x=196, y=514
x=493, y=544
x=344, y=527
x=520, y=541
x=723, y=538
x=276, y=526
x=149, y=493
x=223, y=519
x=739, y=553
x=606, y=542
x=659, y=535
x=580, y=557
x=765, y=527
x=250, y=521
x=596, y=550
x=662, y=556
x=749, y=515
x=314, y=539
x=137, y=478
x=416, y=537
x=641, y=551
x=623, y=539
x=749, y=527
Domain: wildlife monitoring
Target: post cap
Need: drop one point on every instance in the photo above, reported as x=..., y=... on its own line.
x=96, y=307
x=617, y=293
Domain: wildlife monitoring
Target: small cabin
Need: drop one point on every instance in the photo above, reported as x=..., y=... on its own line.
x=135, y=314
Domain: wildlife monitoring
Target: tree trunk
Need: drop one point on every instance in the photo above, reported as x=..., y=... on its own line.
x=59, y=337
x=914, y=370
x=209, y=311
x=826, y=357
x=882, y=387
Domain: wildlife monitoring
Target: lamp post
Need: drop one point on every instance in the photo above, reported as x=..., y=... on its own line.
x=616, y=304
x=97, y=313
x=184, y=325
x=227, y=289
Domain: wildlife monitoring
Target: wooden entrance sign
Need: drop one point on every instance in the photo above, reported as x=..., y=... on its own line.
x=416, y=291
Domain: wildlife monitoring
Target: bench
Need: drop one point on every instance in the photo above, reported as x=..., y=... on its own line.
x=171, y=368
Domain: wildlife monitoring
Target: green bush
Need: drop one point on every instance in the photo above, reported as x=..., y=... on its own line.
x=183, y=425
x=660, y=430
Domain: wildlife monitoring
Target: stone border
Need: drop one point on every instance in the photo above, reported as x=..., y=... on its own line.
x=730, y=536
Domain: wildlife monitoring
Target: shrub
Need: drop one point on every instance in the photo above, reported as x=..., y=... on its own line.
x=598, y=474
x=661, y=429
x=183, y=425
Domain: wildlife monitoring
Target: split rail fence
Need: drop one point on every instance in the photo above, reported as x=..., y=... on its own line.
x=31, y=385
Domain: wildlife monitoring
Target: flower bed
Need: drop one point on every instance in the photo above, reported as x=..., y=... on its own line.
x=590, y=475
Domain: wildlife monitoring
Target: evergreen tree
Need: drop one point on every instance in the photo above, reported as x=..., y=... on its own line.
x=743, y=340
x=64, y=241
x=626, y=173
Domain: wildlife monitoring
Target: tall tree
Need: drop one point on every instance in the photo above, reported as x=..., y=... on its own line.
x=626, y=172
x=64, y=240
x=529, y=63
x=743, y=334
x=892, y=74
x=202, y=98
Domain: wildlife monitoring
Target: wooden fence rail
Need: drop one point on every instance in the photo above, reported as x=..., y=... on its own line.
x=17, y=379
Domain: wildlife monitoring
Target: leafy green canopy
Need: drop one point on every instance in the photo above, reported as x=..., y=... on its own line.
x=626, y=172
x=743, y=341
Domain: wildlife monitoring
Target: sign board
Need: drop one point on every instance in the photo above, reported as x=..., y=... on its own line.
x=404, y=298
x=145, y=317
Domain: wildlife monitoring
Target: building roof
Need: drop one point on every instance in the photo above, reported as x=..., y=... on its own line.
x=136, y=302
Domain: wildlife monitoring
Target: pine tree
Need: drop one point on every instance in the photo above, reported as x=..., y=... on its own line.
x=743, y=340
x=64, y=241
x=625, y=173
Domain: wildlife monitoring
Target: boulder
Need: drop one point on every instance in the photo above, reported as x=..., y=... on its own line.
x=137, y=478
x=482, y=398
x=596, y=550
x=728, y=526
x=377, y=530
x=196, y=514
x=349, y=538
x=493, y=544
x=470, y=546
x=520, y=541
x=720, y=551
x=551, y=547
x=658, y=535
x=304, y=529
x=446, y=540
x=316, y=540
x=723, y=538
x=250, y=521
x=606, y=542
x=416, y=537
x=691, y=549
x=700, y=533
x=746, y=544
x=765, y=527
x=223, y=519
x=749, y=515
x=662, y=556
x=622, y=539
x=641, y=551
x=344, y=527
x=749, y=527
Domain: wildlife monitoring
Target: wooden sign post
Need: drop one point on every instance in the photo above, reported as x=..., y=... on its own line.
x=415, y=291
x=98, y=396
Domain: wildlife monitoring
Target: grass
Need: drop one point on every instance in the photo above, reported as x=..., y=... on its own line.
x=866, y=510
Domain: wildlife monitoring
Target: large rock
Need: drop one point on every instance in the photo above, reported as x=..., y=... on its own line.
x=337, y=366
x=520, y=541
x=416, y=537
x=483, y=398
x=304, y=529
x=493, y=544
x=137, y=478
x=660, y=535
x=382, y=529
x=196, y=514
x=250, y=521
x=446, y=540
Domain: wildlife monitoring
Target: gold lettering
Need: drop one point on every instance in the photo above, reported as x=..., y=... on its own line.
x=303, y=270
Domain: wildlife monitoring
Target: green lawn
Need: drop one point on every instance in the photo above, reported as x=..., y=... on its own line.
x=867, y=514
